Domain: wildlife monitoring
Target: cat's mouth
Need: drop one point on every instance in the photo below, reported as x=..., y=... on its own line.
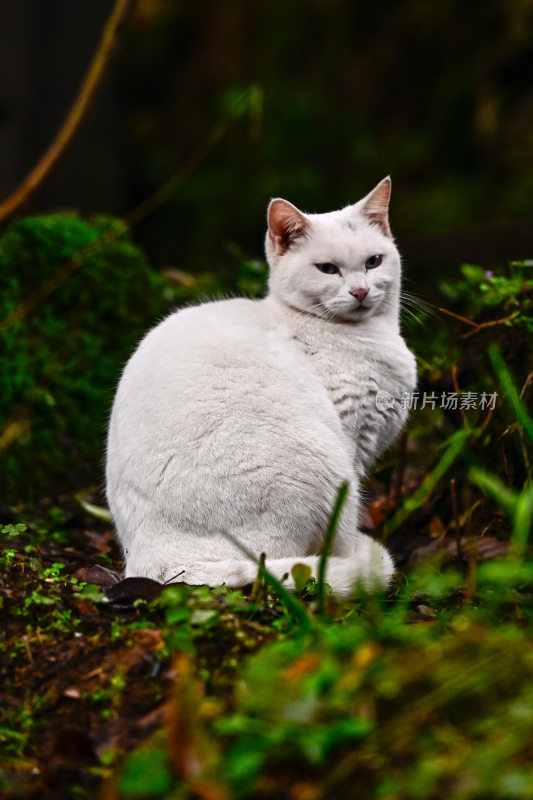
x=361, y=311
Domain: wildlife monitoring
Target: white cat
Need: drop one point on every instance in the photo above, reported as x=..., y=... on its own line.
x=247, y=415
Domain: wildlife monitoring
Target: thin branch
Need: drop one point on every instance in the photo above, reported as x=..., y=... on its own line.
x=527, y=382
x=478, y=326
x=490, y=323
x=136, y=215
x=164, y=192
x=457, y=316
x=456, y=519
x=34, y=182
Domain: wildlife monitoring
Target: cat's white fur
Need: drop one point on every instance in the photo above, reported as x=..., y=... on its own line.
x=246, y=415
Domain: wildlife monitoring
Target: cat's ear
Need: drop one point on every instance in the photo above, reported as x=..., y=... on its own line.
x=285, y=224
x=375, y=206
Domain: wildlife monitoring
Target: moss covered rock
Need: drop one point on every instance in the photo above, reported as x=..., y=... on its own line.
x=75, y=296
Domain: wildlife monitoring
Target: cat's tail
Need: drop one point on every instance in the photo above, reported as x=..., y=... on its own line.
x=371, y=566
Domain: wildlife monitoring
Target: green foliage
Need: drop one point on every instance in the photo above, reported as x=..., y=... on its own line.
x=63, y=358
x=482, y=290
x=147, y=776
x=253, y=277
x=510, y=391
x=384, y=702
x=454, y=446
x=293, y=606
x=518, y=505
x=482, y=346
x=487, y=306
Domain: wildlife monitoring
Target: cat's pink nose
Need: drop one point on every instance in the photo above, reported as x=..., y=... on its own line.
x=359, y=293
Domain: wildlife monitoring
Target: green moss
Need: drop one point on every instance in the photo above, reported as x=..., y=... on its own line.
x=61, y=361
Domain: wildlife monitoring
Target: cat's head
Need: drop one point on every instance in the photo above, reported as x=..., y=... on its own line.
x=341, y=265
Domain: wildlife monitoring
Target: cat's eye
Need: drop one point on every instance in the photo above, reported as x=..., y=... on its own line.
x=373, y=261
x=329, y=269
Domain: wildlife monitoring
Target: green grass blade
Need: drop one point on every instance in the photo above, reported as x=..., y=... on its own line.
x=456, y=445
x=98, y=512
x=510, y=391
x=326, y=547
x=492, y=485
x=517, y=505
x=523, y=519
x=292, y=604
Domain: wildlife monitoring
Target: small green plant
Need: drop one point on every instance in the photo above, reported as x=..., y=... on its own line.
x=482, y=289
x=109, y=698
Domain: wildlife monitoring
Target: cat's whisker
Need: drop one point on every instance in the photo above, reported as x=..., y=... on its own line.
x=415, y=302
x=413, y=315
x=412, y=296
x=427, y=307
x=409, y=304
x=319, y=310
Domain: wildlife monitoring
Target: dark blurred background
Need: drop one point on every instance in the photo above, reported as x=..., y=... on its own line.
x=439, y=95
x=236, y=102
